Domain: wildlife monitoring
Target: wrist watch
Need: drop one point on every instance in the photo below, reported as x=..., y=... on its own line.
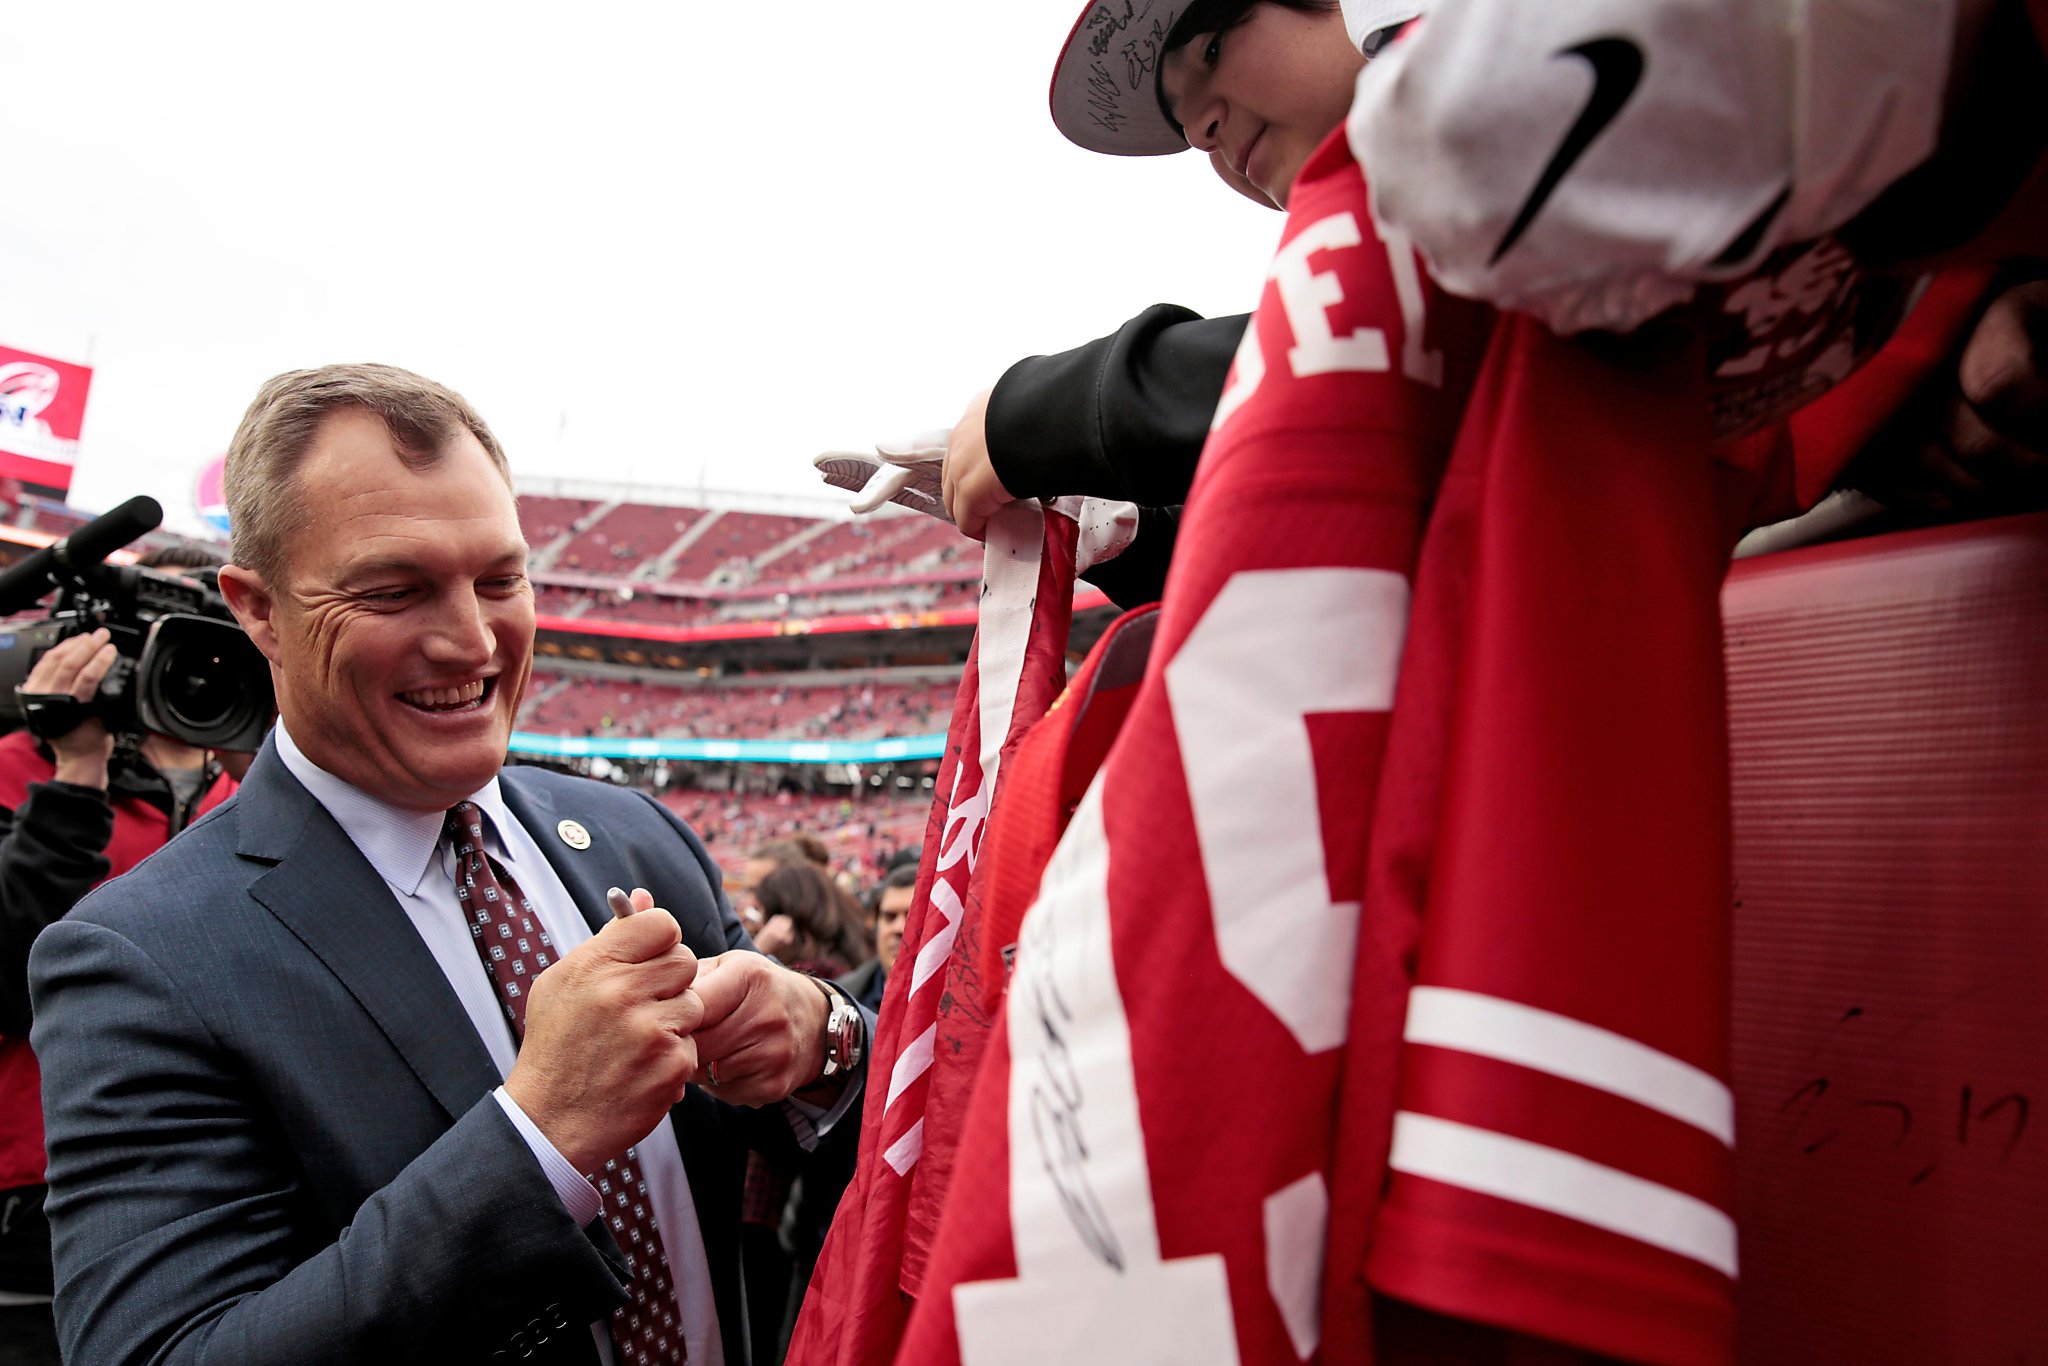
x=845, y=1032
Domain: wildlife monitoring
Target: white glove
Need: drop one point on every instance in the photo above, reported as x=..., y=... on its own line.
x=907, y=473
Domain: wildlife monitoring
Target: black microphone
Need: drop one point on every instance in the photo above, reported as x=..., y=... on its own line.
x=23, y=584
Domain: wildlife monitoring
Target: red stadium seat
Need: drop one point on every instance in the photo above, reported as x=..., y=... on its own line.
x=734, y=537
x=1889, y=705
x=543, y=518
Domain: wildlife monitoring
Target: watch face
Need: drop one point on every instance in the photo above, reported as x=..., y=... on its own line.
x=843, y=1036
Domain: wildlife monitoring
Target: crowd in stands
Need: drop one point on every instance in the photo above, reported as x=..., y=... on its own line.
x=647, y=608
x=860, y=837
x=633, y=536
x=608, y=561
x=619, y=541
x=628, y=540
x=544, y=519
x=729, y=546
x=754, y=564
x=856, y=710
x=869, y=547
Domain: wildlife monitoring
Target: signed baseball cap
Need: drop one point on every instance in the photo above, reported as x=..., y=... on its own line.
x=1105, y=87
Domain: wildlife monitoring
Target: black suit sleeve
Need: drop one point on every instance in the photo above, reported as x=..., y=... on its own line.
x=184, y=1227
x=1122, y=417
x=52, y=852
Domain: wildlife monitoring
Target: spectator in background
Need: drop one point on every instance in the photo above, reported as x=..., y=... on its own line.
x=823, y=939
x=761, y=861
x=767, y=857
x=892, y=907
x=775, y=936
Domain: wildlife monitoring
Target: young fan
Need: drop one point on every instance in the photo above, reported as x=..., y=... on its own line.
x=1124, y=416
x=1126, y=84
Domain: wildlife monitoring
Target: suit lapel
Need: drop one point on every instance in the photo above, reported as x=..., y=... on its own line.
x=581, y=871
x=329, y=896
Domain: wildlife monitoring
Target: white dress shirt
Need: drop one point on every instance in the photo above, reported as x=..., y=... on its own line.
x=406, y=849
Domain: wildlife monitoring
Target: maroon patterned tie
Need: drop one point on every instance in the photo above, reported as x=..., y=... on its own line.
x=515, y=948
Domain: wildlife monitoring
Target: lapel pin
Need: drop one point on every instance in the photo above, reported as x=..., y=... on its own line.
x=573, y=834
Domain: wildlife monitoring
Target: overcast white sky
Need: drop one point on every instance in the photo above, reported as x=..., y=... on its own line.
x=720, y=238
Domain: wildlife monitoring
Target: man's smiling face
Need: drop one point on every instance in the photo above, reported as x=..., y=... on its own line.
x=402, y=635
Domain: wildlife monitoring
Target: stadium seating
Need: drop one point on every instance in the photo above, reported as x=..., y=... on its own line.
x=856, y=710
x=860, y=832
x=731, y=542
x=647, y=607
x=543, y=519
x=625, y=537
x=866, y=548
x=1890, y=761
x=54, y=518
x=765, y=552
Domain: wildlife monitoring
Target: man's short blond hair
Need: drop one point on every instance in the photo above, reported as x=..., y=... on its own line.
x=261, y=477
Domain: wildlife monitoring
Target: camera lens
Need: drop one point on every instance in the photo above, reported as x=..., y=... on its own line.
x=197, y=687
x=202, y=682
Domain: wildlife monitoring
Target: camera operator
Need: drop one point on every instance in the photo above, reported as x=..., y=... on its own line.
x=75, y=810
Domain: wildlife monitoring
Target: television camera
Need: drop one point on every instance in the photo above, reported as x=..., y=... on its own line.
x=184, y=667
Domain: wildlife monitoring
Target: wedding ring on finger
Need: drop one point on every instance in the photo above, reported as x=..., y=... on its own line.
x=712, y=1072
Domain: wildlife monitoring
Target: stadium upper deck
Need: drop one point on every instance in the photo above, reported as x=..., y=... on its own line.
x=710, y=549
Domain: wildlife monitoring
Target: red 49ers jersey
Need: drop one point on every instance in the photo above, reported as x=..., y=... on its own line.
x=1209, y=1060
x=1143, y=1175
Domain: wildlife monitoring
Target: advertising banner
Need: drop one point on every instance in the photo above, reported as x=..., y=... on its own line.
x=209, y=498
x=41, y=410
x=42, y=407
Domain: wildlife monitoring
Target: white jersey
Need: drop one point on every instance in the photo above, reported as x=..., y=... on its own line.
x=1593, y=161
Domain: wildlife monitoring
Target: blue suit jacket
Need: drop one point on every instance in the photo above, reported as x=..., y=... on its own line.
x=269, y=1119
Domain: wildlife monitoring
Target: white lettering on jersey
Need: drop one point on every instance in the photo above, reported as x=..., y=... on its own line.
x=1091, y=1287
x=1418, y=362
x=1308, y=295
x=1274, y=647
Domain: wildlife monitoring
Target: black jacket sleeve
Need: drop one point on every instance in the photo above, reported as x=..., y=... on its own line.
x=52, y=852
x=1122, y=417
x=188, y=1232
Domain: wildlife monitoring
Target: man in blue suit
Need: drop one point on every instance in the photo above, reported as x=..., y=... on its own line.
x=361, y=1068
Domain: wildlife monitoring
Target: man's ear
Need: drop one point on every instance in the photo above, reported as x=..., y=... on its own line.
x=250, y=599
